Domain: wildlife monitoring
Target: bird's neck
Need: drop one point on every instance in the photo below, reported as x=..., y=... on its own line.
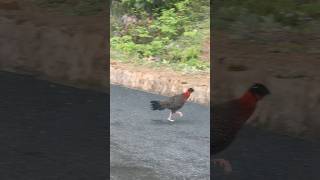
x=247, y=105
x=249, y=100
x=186, y=95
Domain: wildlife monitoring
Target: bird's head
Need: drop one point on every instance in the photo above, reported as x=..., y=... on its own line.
x=190, y=90
x=188, y=93
x=259, y=90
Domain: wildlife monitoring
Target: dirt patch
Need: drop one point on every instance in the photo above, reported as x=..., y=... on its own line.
x=205, y=54
x=288, y=64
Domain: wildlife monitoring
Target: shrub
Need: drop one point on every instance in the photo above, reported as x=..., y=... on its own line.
x=172, y=35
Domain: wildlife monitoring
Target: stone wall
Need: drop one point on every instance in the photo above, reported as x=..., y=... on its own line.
x=165, y=82
x=66, y=49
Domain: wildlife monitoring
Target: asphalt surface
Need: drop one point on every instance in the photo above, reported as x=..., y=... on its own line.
x=51, y=132
x=261, y=155
x=145, y=146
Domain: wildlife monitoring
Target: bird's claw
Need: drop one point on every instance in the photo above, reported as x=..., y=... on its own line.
x=223, y=163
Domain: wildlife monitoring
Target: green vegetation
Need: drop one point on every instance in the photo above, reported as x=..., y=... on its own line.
x=247, y=17
x=169, y=33
x=74, y=7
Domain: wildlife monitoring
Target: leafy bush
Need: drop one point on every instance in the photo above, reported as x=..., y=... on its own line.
x=174, y=35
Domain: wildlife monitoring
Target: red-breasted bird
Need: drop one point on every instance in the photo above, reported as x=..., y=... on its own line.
x=230, y=116
x=173, y=103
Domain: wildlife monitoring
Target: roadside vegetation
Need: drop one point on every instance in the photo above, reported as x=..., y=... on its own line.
x=162, y=33
x=254, y=19
x=174, y=33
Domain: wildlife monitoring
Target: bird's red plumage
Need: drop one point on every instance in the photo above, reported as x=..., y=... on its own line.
x=248, y=100
x=230, y=116
x=186, y=95
x=246, y=106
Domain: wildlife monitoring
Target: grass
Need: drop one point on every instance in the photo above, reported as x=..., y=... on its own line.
x=180, y=67
x=182, y=46
x=249, y=19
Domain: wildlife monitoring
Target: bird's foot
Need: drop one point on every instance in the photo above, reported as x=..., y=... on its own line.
x=169, y=119
x=180, y=113
x=223, y=163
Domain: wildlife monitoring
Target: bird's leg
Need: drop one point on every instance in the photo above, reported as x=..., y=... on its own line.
x=223, y=163
x=169, y=118
x=180, y=113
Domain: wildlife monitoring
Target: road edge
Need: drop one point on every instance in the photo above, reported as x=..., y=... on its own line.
x=161, y=82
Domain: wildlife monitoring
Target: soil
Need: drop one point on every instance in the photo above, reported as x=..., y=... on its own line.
x=205, y=55
x=52, y=45
x=25, y=10
x=285, y=56
x=288, y=64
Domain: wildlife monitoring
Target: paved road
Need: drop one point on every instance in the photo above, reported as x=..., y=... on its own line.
x=261, y=155
x=145, y=146
x=51, y=132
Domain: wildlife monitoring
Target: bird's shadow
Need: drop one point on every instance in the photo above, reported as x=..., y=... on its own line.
x=161, y=121
x=164, y=121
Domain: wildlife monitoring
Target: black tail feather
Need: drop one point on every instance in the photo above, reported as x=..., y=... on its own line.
x=155, y=105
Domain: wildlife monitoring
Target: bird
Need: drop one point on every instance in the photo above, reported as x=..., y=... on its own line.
x=229, y=117
x=173, y=103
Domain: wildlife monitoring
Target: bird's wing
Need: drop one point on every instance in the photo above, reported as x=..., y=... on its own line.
x=224, y=117
x=173, y=102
